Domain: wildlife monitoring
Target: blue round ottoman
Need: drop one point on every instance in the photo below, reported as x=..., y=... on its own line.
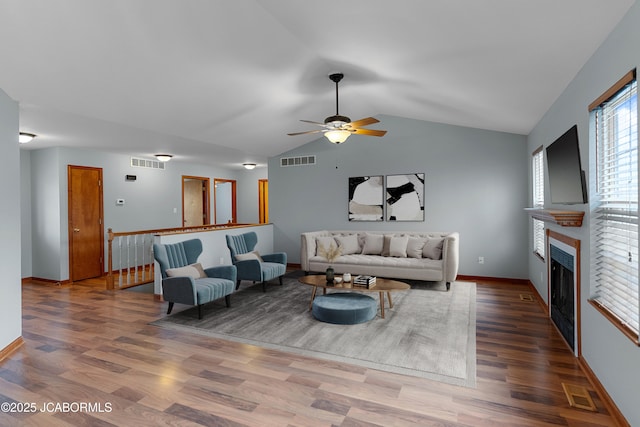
x=344, y=308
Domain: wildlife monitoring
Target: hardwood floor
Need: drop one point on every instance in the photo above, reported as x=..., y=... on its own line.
x=84, y=344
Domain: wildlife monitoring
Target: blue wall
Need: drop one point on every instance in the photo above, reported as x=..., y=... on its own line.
x=475, y=183
x=612, y=357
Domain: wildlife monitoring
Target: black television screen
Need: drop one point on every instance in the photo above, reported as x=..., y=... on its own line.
x=566, y=177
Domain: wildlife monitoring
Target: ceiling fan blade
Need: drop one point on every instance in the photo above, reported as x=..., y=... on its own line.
x=303, y=133
x=364, y=122
x=314, y=123
x=369, y=132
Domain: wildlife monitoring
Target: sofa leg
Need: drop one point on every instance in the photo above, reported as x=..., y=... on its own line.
x=170, y=308
x=227, y=300
x=237, y=284
x=264, y=286
x=199, y=311
x=280, y=278
x=448, y=285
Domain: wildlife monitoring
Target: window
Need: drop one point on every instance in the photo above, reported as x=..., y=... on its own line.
x=614, y=213
x=538, y=201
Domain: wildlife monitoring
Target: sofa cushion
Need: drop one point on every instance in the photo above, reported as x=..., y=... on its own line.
x=415, y=245
x=324, y=243
x=382, y=261
x=193, y=270
x=433, y=248
x=398, y=246
x=373, y=244
x=386, y=244
x=348, y=244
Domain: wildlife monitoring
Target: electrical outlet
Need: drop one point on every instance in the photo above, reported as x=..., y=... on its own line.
x=480, y=260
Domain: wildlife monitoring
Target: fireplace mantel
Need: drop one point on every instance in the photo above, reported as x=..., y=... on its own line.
x=565, y=218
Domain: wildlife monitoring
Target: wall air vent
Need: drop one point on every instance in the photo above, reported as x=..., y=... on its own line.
x=144, y=163
x=297, y=161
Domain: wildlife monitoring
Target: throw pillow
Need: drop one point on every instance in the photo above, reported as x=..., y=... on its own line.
x=348, y=244
x=373, y=244
x=193, y=270
x=248, y=256
x=386, y=243
x=324, y=242
x=433, y=248
x=398, y=246
x=415, y=246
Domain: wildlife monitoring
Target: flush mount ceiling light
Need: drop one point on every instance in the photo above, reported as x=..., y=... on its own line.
x=249, y=166
x=25, y=137
x=164, y=157
x=338, y=128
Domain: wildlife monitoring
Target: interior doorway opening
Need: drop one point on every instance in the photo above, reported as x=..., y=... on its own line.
x=195, y=201
x=263, y=201
x=224, y=191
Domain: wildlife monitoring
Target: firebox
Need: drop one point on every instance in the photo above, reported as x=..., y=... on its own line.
x=562, y=293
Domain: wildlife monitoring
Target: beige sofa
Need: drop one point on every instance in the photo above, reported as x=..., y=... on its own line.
x=429, y=256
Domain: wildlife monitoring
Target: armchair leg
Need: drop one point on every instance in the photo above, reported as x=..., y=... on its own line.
x=237, y=284
x=264, y=286
x=170, y=308
x=199, y=311
x=227, y=300
x=280, y=279
x=448, y=285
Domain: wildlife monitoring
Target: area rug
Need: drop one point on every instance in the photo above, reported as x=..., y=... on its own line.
x=429, y=332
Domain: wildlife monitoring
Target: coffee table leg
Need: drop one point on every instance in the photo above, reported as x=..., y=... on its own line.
x=390, y=301
x=381, y=304
x=313, y=295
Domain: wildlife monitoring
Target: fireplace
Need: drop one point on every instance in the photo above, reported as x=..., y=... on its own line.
x=561, y=292
x=564, y=286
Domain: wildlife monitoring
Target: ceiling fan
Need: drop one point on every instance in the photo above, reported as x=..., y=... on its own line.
x=338, y=128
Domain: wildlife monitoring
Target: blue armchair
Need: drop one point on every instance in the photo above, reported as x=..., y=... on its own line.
x=186, y=282
x=253, y=266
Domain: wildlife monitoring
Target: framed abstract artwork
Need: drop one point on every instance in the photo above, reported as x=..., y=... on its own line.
x=366, y=198
x=404, y=197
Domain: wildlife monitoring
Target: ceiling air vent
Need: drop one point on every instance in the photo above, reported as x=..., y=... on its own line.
x=297, y=161
x=144, y=163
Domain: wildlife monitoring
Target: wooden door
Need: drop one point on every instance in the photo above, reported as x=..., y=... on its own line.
x=195, y=201
x=263, y=201
x=86, y=230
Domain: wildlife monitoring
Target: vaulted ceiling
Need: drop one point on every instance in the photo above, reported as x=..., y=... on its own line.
x=224, y=81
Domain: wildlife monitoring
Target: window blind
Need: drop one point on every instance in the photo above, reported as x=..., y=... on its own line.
x=614, y=218
x=537, y=168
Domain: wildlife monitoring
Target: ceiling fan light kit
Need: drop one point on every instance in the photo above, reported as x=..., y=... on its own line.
x=338, y=128
x=337, y=136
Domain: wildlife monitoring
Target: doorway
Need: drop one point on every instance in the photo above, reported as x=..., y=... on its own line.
x=195, y=201
x=263, y=201
x=225, y=201
x=86, y=230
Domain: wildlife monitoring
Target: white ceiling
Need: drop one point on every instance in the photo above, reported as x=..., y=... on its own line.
x=222, y=82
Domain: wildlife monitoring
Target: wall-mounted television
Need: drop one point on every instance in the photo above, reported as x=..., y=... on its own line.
x=567, y=183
